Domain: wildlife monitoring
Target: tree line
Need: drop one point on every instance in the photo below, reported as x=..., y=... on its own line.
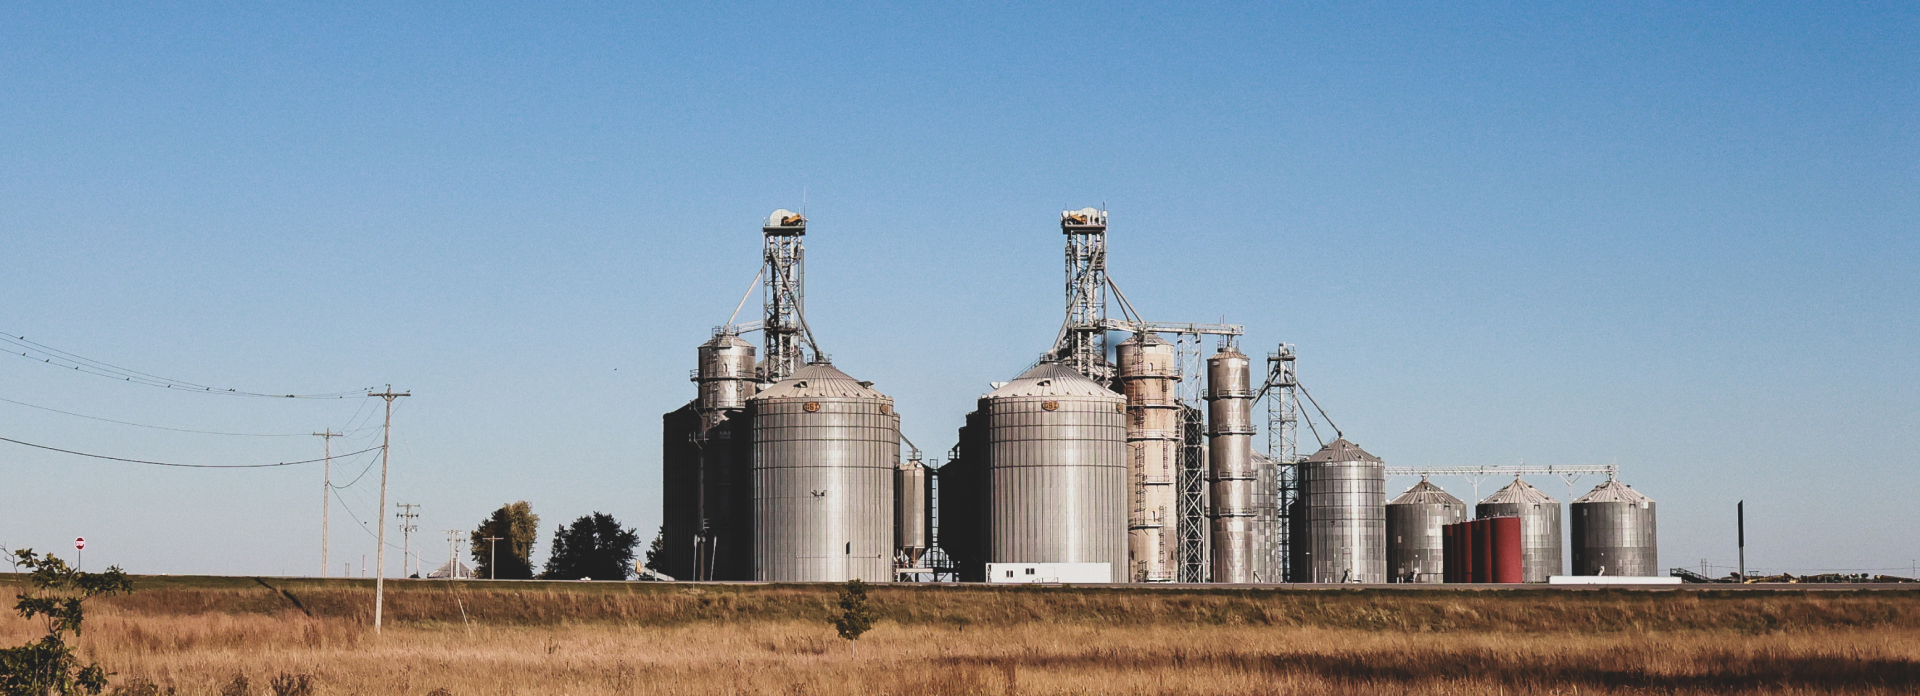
x=593, y=547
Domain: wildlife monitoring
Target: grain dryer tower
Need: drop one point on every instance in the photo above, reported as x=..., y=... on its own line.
x=1613, y=532
x=1231, y=475
x=1148, y=374
x=1539, y=517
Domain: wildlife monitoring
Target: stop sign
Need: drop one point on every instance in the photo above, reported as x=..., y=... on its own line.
x=79, y=543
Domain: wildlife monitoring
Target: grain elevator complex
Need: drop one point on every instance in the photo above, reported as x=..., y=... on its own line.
x=1129, y=461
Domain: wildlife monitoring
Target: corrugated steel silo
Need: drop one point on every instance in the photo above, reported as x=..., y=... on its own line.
x=1415, y=552
x=1148, y=371
x=824, y=450
x=910, y=511
x=679, y=490
x=1539, y=517
x=1055, y=445
x=1613, y=532
x=1265, y=562
x=966, y=502
x=1340, y=530
x=1230, y=464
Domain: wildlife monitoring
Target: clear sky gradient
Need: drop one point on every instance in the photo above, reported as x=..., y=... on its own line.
x=1682, y=239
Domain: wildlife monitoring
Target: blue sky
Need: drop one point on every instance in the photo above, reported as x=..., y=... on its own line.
x=1682, y=239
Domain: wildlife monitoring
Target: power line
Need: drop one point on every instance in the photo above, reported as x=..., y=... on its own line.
x=363, y=472
x=59, y=358
x=184, y=466
x=142, y=425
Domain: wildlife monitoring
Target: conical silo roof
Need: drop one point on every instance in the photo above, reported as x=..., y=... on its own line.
x=1051, y=379
x=1425, y=493
x=822, y=381
x=1613, y=492
x=1341, y=451
x=726, y=340
x=1519, y=493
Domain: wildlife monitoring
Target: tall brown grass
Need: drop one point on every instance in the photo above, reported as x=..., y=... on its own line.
x=204, y=636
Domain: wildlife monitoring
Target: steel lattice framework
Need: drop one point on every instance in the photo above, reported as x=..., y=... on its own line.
x=1282, y=391
x=1082, y=343
x=784, y=326
x=1568, y=473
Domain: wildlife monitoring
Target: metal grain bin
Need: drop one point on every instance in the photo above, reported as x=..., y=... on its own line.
x=679, y=491
x=1340, y=530
x=1539, y=526
x=1613, y=532
x=1148, y=372
x=1415, y=552
x=1230, y=471
x=1055, y=446
x=1265, y=562
x=824, y=449
x=910, y=511
x=725, y=373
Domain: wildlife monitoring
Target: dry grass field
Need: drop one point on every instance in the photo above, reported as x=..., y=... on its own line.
x=240, y=635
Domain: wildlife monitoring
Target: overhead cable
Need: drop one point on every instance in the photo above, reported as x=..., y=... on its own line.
x=142, y=425
x=183, y=466
x=59, y=358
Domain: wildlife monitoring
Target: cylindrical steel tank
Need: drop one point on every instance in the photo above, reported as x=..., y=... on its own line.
x=1148, y=370
x=1055, y=446
x=1613, y=532
x=1415, y=552
x=1539, y=517
x=1265, y=561
x=824, y=450
x=725, y=373
x=1230, y=464
x=1340, y=534
x=679, y=491
x=910, y=511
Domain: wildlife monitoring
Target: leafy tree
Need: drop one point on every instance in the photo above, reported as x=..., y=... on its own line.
x=856, y=617
x=55, y=595
x=517, y=528
x=658, y=551
x=594, y=546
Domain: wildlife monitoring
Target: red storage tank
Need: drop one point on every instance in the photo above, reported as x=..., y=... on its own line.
x=1482, y=551
x=1507, y=550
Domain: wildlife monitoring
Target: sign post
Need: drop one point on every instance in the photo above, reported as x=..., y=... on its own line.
x=80, y=553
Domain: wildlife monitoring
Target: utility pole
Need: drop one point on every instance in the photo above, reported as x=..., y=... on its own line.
x=407, y=516
x=386, y=448
x=326, y=495
x=453, y=553
x=493, y=557
x=1740, y=513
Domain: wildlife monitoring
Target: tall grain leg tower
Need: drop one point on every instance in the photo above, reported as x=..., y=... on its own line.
x=785, y=327
x=1082, y=344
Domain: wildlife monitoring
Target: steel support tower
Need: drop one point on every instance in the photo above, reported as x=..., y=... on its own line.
x=784, y=327
x=1082, y=344
x=1282, y=390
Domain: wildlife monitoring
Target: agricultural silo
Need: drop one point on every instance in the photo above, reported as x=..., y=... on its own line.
x=910, y=511
x=1539, y=526
x=1415, y=550
x=1340, y=530
x=1230, y=472
x=1613, y=532
x=725, y=374
x=1148, y=371
x=1055, y=449
x=962, y=529
x=1265, y=561
x=679, y=491
x=824, y=450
